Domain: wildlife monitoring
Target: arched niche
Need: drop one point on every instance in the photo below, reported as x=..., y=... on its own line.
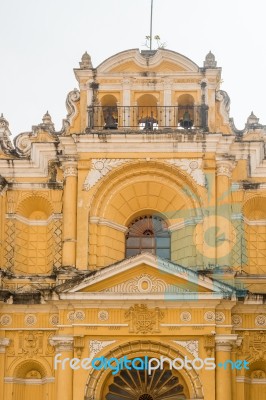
x=187, y=116
x=109, y=110
x=255, y=387
x=143, y=188
x=147, y=111
x=30, y=379
x=34, y=236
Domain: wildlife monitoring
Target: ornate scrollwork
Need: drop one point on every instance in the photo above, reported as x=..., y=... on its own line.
x=72, y=110
x=23, y=143
x=224, y=100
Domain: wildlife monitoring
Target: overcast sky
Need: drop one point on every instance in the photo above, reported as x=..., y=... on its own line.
x=41, y=41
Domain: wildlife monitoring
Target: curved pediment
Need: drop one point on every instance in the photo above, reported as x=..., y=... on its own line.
x=133, y=60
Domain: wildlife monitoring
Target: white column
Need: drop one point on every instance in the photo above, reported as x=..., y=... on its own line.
x=168, y=111
x=70, y=213
x=126, y=103
x=223, y=382
x=64, y=377
x=4, y=342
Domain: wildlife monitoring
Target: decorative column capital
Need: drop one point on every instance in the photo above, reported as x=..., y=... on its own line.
x=70, y=168
x=4, y=342
x=226, y=342
x=62, y=343
x=225, y=168
x=209, y=344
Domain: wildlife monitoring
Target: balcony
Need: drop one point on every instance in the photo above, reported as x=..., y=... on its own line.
x=147, y=118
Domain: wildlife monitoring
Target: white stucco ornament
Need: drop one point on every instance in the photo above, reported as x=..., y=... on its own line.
x=101, y=167
x=193, y=167
x=192, y=346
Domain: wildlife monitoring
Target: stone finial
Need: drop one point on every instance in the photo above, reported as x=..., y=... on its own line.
x=210, y=61
x=4, y=127
x=47, y=120
x=5, y=143
x=252, y=120
x=85, y=61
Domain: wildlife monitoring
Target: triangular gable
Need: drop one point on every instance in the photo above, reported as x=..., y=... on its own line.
x=146, y=274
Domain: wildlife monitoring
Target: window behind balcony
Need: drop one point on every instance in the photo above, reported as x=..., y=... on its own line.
x=148, y=234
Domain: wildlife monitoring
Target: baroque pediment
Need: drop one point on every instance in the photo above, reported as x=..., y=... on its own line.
x=162, y=60
x=145, y=275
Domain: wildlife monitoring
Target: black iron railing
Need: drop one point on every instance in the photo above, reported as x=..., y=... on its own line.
x=148, y=117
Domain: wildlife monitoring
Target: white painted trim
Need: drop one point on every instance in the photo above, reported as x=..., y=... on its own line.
x=110, y=224
x=28, y=329
x=37, y=166
x=185, y=324
x=35, y=222
x=249, y=329
x=250, y=222
x=244, y=379
x=139, y=296
x=29, y=381
x=161, y=55
x=34, y=185
x=257, y=222
x=100, y=325
x=188, y=222
x=158, y=264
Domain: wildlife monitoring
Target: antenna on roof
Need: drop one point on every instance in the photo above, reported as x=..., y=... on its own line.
x=160, y=45
x=151, y=25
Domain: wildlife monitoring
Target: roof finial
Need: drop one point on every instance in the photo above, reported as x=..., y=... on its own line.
x=210, y=61
x=85, y=61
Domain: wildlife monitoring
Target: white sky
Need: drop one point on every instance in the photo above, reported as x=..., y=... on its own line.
x=41, y=41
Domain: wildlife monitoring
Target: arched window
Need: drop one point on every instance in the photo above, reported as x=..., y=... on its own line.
x=186, y=111
x=110, y=111
x=148, y=234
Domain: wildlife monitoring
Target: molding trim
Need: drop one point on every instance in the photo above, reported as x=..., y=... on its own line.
x=29, y=381
x=110, y=224
x=35, y=222
x=189, y=222
x=244, y=379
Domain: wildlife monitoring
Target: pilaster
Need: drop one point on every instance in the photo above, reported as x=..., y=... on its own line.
x=224, y=344
x=70, y=213
x=64, y=375
x=4, y=342
x=225, y=230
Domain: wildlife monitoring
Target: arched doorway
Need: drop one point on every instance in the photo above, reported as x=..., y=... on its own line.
x=140, y=385
x=172, y=383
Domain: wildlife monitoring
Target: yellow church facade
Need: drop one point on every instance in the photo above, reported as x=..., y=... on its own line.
x=135, y=237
